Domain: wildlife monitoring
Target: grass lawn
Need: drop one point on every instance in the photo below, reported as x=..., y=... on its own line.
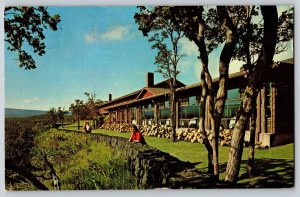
x=274, y=167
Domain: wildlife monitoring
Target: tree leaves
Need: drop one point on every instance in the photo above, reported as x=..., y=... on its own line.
x=25, y=26
x=164, y=33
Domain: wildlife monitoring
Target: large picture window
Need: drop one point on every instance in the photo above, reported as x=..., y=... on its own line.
x=164, y=113
x=231, y=107
x=147, y=114
x=189, y=111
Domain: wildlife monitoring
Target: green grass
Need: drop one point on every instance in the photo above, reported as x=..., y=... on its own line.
x=274, y=167
x=82, y=163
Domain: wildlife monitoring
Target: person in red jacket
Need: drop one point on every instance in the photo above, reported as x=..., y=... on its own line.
x=136, y=135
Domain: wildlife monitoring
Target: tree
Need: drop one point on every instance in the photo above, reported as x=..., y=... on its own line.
x=209, y=28
x=92, y=106
x=263, y=65
x=61, y=112
x=165, y=34
x=25, y=26
x=53, y=117
x=19, y=142
x=195, y=28
x=77, y=108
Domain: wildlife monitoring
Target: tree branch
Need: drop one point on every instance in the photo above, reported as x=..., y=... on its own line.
x=12, y=165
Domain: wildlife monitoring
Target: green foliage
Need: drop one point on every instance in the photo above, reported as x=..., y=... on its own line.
x=40, y=127
x=165, y=36
x=61, y=113
x=19, y=138
x=91, y=106
x=52, y=114
x=77, y=110
x=19, y=141
x=56, y=115
x=81, y=163
x=26, y=25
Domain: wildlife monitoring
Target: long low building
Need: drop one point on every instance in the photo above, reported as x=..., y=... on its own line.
x=275, y=104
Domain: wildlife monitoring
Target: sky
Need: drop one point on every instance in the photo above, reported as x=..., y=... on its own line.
x=96, y=49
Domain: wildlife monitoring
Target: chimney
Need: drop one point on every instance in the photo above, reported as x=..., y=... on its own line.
x=109, y=97
x=149, y=80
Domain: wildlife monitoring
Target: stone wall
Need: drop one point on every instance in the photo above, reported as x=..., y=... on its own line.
x=154, y=168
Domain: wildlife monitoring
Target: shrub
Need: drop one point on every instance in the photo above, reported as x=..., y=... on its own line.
x=82, y=163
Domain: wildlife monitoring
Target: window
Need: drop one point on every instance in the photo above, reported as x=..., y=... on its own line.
x=167, y=104
x=164, y=113
x=189, y=112
x=184, y=102
x=233, y=93
x=149, y=114
x=133, y=112
x=161, y=105
x=231, y=107
x=192, y=100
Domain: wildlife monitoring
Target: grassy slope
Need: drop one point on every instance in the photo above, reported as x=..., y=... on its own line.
x=275, y=167
x=81, y=163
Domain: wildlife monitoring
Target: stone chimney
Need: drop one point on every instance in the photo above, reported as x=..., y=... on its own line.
x=109, y=97
x=149, y=80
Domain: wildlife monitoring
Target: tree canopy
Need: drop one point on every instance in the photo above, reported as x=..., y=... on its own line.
x=245, y=33
x=26, y=26
x=165, y=35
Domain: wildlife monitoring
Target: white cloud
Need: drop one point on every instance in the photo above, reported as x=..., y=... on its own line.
x=90, y=37
x=32, y=100
x=188, y=48
x=190, y=52
x=113, y=34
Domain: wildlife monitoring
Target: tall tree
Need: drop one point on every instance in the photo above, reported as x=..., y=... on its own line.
x=200, y=29
x=263, y=65
x=52, y=114
x=209, y=28
x=91, y=106
x=166, y=36
x=61, y=112
x=77, y=109
x=191, y=22
x=25, y=26
x=250, y=45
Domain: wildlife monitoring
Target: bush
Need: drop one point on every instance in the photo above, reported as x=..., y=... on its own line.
x=82, y=163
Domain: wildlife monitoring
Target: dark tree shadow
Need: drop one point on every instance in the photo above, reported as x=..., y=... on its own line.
x=269, y=173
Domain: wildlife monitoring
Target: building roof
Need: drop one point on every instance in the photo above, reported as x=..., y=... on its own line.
x=157, y=90
x=160, y=90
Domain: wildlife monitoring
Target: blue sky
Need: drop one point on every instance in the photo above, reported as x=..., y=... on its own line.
x=96, y=49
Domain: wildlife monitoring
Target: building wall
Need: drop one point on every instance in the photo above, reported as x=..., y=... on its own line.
x=274, y=118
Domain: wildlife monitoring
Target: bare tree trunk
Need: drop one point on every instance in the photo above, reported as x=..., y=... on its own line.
x=226, y=54
x=202, y=123
x=207, y=93
x=252, y=142
x=172, y=115
x=78, y=122
x=236, y=146
x=12, y=165
x=255, y=82
x=56, y=180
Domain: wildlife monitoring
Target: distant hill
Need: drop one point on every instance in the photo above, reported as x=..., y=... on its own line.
x=17, y=113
